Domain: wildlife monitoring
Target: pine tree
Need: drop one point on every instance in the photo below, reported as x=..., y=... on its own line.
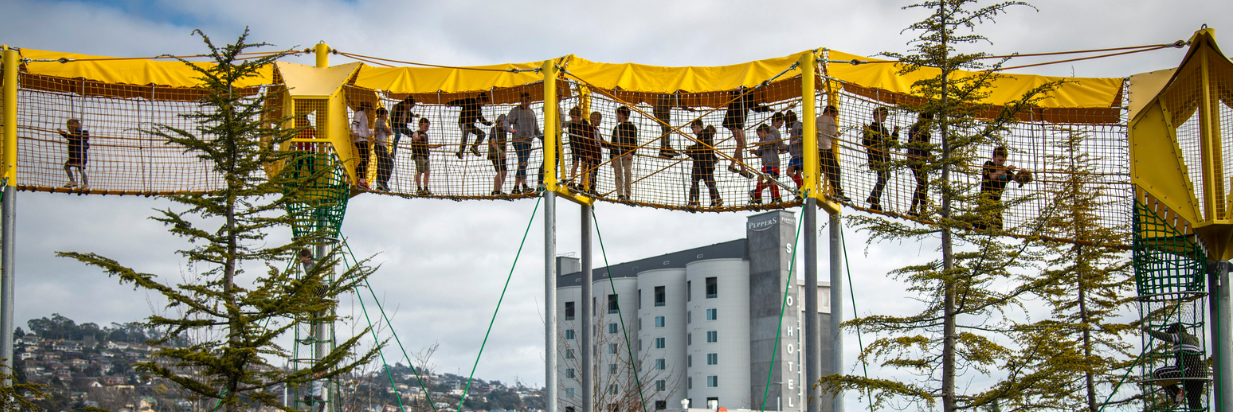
x=242, y=365
x=971, y=288
x=1087, y=285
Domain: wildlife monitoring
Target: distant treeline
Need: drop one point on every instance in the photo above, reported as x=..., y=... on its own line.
x=60, y=327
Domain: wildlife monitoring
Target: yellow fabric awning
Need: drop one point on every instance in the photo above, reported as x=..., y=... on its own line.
x=1077, y=92
x=170, y=72
x=1086, y=92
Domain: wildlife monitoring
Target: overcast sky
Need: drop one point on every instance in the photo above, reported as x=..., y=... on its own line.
x=443, y=262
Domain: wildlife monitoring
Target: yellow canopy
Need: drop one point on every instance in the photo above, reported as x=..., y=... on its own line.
x=631, y=77
x=136, y=71
x=1077, y=92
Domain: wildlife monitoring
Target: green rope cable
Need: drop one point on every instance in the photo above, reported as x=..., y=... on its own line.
x=380, y=308
x=498, y=308
x=1131, y=368
x=852, y=294
x=219, y=402
x=376, y=341
x=766, y=392
x=624, y=331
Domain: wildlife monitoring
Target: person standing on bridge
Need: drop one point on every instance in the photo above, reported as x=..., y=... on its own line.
x=400, y=119
x=78, y=155
x=523, y=127
x=734, y=120
x=878, y=141
x=472, y=111
x=360, y=137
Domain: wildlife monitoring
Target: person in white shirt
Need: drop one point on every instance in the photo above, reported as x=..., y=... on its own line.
x=828, y=131
x=360, y=137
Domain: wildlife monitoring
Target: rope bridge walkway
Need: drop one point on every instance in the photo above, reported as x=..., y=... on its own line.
x=632, y=147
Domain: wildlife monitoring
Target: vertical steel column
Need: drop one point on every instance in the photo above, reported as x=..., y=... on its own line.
x=813, y=341
x=836, y=305
x=9, y=209
x=550, y=300
x=588, y=310
x=1222, y=352
x=550, y=237
x=321, y=337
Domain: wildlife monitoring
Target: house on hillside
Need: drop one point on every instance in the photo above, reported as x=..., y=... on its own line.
x=116, y=345
x=65, y=345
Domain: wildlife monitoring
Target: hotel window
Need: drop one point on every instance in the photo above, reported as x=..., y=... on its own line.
x=660, y=343
x=712, y=359
x=712, y=288
x=569, y=373
x=660, y=296
x=612, y=328
x=712, y=381
x=712, y=336
x=660, y=364
x=569, y=310
x=569, y=334
x=660, y=321
x=712, y=314
x=612, y=303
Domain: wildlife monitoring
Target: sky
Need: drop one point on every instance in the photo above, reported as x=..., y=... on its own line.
x=443, y=263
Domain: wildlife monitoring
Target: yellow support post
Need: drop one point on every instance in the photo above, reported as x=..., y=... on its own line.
x=810, y=124
x=1213, y=169
x=10, y=116
x=550, y=125
x=323, y=54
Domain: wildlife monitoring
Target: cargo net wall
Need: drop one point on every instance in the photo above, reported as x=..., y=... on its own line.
x=1057, y=151
x=1170, y=269
x=117, y=157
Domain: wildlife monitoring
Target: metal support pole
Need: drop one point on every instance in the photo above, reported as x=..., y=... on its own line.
x=588, y=310
x=321, y=337
x=1222, y=352
x=836, y=306
x=813, y=341
x=550, y=236
x=550, y=300
x=9, y=209
x=322, y=52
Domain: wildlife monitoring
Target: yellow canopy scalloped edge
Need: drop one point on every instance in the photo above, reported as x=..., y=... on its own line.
x=1077, y=92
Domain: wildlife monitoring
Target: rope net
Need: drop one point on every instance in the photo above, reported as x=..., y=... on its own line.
x=742, y=158
x=1170, y=269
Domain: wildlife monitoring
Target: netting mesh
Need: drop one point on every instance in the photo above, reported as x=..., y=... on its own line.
x=321, y=192
x=661, y=159
x=1170, y=269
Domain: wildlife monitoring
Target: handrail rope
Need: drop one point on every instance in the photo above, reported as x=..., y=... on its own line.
x=677, y=130
x=1084, y=58
x=365, y=60
x=498, y=308
x=354, y=56
x=393, y=331
x=1177, y=44
x=624, y=331
x=852, y=294
x=162, y=57
x=766, y=392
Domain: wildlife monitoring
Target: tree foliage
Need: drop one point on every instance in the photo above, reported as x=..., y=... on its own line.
x=973, y=290
x=239, y=298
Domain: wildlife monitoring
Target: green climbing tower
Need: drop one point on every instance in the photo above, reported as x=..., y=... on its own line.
x=1170, y=272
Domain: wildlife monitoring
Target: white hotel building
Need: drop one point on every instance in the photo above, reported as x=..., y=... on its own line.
x=702, y=323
